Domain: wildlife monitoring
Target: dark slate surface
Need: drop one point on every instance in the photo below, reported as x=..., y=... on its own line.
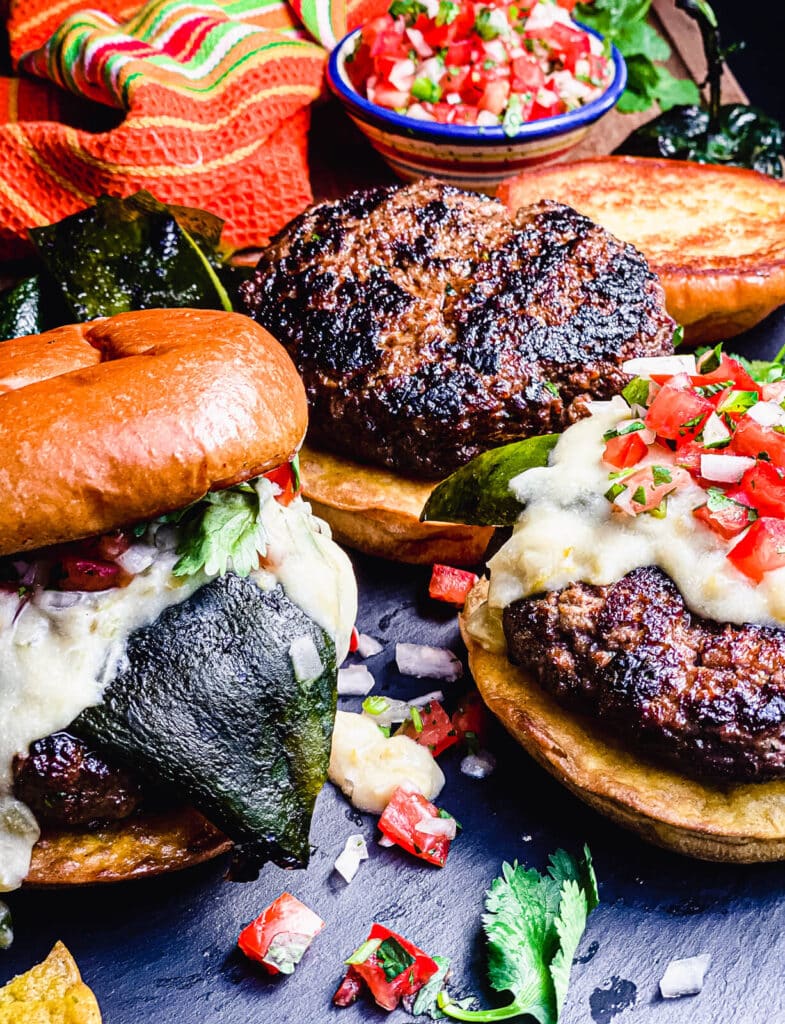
x=164, y=950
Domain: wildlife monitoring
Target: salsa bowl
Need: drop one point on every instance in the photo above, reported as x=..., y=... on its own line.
x=475, y=157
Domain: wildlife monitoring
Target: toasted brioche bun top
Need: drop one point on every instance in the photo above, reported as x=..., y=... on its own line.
x=119, y=420
x=714, y=235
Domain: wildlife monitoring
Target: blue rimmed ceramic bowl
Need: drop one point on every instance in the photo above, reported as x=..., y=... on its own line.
x=464, y=155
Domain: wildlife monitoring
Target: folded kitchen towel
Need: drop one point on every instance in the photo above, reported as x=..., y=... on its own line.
x=211, y=108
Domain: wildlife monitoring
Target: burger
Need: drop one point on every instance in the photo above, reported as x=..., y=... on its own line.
x=430, y=325
x=631, y=634
x=171, y=614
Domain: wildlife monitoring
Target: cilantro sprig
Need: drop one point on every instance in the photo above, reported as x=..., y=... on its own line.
x=222, y=527
x=533, y=925
x=623, y=22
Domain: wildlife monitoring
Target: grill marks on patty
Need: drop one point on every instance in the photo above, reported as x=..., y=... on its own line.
x=707, y=696
x=430, y=326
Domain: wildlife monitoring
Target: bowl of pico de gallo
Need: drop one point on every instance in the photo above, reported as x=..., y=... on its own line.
x=474, y=91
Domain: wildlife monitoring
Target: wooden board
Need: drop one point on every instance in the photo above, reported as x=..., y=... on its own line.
x=342, y=160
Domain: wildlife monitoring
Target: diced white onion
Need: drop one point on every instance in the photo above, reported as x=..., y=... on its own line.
x=427, y=698
x=348, y=861
x=432, y=69
x=715, y=431
x=645, y=366
x=367, y=646
x=485, y=117
x=417, y=39
x=418, y=111
x=426, y=662
x=354, y=681
x=57, y=600
x=684, y=977
x=306, y=663
x=446, y=827
x=495, y=50
x=768, y=414
x=386, y=842
x=402, y=74
x=725, y=469
x=497, y=19
x=137, y=558
x=479, y=765
x=452, y=98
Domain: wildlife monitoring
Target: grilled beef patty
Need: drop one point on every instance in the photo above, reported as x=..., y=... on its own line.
x=706, y=696
x=430, y=326
x=64, y=782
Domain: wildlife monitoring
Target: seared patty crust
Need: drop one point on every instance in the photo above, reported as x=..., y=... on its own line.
x=65, y=782
x=706, y=696
x=430, y=326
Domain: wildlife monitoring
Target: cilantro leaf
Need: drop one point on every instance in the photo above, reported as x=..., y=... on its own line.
x=393, y=958
x=224, y=526
x=533, y=924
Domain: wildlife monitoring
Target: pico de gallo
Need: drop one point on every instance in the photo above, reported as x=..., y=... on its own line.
x=715, y=425
x=112, y=560
x=390, y=967
x=499, y=63
x=281, y=934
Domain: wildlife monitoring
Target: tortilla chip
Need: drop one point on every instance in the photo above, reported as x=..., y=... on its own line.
x=743, y=823
x=49, y=993
x=139, y=847
x=378, y=512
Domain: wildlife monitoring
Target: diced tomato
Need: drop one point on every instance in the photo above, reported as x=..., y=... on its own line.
x=91, y=574
x=283, y=478
x=625, y=451
x=765, y=488
x=470, y=720
x=385, y=37
x=436, y=731
x=568, y=5
x=349, y=989
x=386, y=96
x=678, y=412
x=729, y=520
x=375, y=964
x=462, y=113
x=112, y=545
x=495, y=96
x=571, y=44
x=761, y=549
x=279, y=937
x=455, y=78
x=526, y=75
x=689, y=456
x=753, y=439
x=451, y=585
x=645, y=490
x=354, y=639
x=459, y=53
x=406, y=810
x=729, y=369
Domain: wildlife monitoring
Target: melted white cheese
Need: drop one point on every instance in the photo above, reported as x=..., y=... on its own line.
x=570, y=532
x=368, y=767
x=55, y=662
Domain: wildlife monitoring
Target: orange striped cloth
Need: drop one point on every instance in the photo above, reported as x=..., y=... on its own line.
x=215, y=95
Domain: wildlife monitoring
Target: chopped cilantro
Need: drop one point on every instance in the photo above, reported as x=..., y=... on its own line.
x=629, y=428
x=636, y=392
x=660, y=511
x=533, y=925
x=393, y=958
x=409, y=9
x=448, y=12
x=661, y=475
x=613, y=492
x=639, y=496
x=483, y=24
x=707, y=390
x=678, y=336
x=737, y=402
x=416, y=719
x=223, y=527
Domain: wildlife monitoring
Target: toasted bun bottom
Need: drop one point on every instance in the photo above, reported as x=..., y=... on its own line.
x=741, y=823
x=140, y=847
x=377, y=511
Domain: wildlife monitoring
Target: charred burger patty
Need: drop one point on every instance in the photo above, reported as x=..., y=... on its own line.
x=710, y=697
x=429, y=325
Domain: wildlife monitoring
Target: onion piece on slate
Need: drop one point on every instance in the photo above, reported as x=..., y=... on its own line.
x=367, y=646
x=355, y=681
x=479, y=765
x=684, y=977
x=423, y=661
x=348, y=861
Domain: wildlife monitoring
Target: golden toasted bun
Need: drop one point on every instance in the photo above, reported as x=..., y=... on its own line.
x=378, y=512
x=715, y=236
x=142, y=846
x=734, y=822
x=119, y=420
x=52, y=992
